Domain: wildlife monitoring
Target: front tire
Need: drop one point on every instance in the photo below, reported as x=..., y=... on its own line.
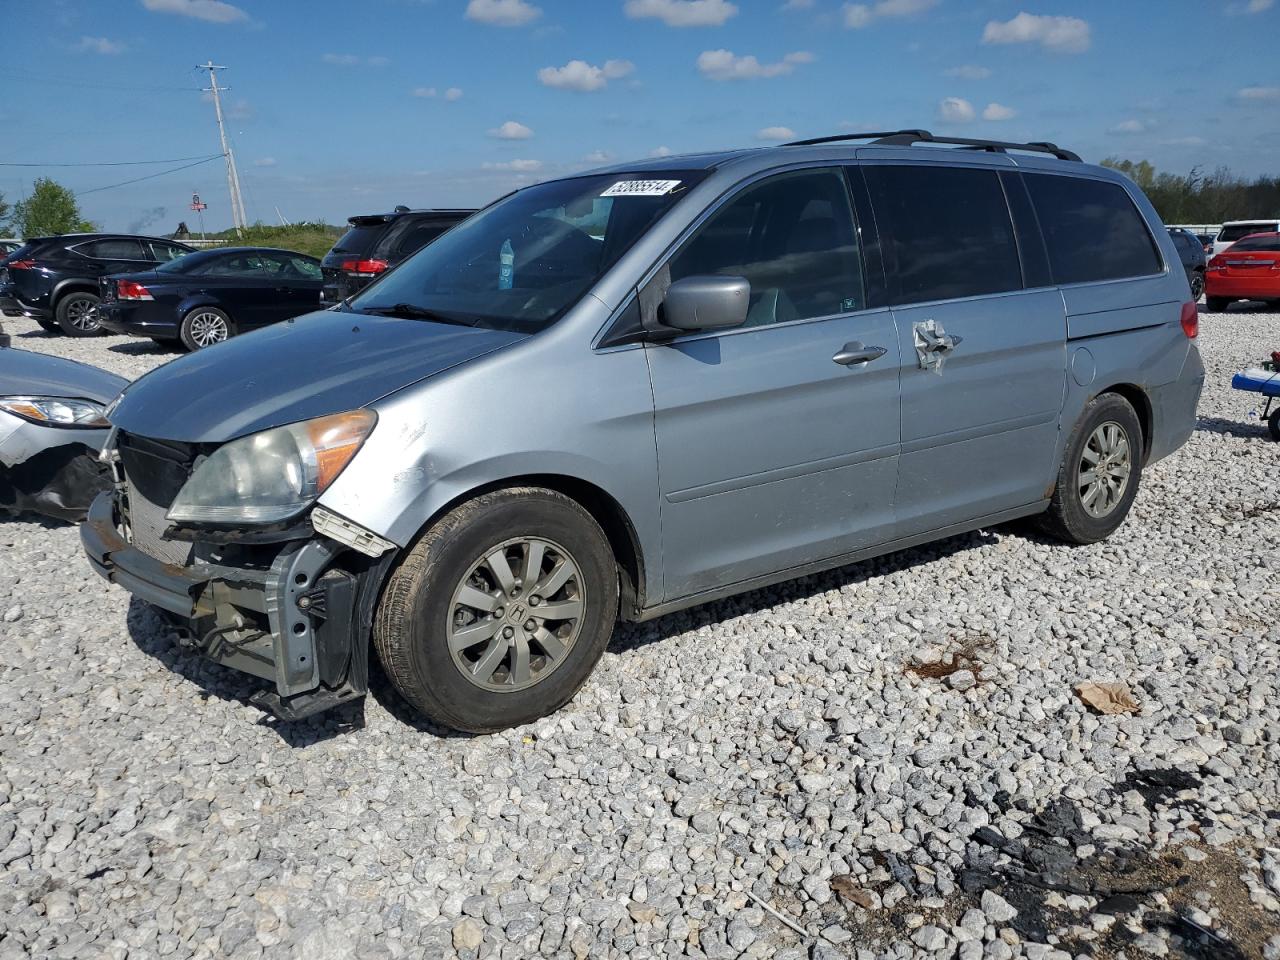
x=205, y=326
x=500, y=611
x=1216, y=304
x=1273, y=424
x=1197, y=285
x=1100, y=473
x=77, y=314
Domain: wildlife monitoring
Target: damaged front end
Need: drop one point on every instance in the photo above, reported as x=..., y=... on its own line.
x=292, y=602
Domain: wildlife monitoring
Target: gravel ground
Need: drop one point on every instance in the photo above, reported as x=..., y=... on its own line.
x=890, y=756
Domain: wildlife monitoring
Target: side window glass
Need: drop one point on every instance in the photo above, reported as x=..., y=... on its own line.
x=793, y=238
x=947, y=231
x=117, y=249
x=299, y=267
x=164, y=252
x=416, y=237
x=1092, y=229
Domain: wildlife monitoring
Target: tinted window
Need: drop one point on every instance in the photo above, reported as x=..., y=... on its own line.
x=243, y=265
x=1092, y=229
x=302, y=267
x=359, y=239
x=1269, y=243
x=1232, y=233
x=947, y=229
x=793, y=238
x=116, y=249
x=411, y=235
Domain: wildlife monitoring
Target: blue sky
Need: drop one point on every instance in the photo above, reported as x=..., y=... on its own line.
x=349, y=107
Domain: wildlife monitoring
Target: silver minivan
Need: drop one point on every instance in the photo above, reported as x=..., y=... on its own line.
x=636, y=389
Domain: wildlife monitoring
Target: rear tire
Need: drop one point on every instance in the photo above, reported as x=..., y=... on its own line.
x=204, y=327
x=77, y=314
x=1197, y=285
x=1216, y=304
x=1099, y=474
x=466, y=640
x=1273, y=424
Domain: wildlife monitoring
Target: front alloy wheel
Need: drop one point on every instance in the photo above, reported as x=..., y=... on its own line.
x=516, y=614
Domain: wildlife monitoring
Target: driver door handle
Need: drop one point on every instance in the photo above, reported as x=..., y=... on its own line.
x=854, y=353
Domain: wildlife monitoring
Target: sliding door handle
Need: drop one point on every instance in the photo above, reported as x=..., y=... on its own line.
x=854, y=353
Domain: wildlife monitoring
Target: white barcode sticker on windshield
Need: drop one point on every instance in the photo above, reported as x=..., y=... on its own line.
x=641, y=188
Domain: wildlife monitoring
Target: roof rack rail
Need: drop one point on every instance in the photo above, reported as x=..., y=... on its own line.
x=907, y=138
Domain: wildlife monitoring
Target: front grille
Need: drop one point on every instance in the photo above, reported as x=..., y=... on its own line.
x=154, y=472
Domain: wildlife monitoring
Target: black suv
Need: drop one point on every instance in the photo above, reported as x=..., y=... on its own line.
x=376, y=243
x=1191, y=253
x=54, y=280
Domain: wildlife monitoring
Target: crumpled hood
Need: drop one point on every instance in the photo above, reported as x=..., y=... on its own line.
x=23, y=372
x=316, y=364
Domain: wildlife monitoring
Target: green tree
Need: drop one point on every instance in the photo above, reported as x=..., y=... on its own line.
x=4, y=213
x=51, y=209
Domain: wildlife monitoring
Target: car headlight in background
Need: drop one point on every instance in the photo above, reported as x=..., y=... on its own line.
x=270, y=476
x=56, y=411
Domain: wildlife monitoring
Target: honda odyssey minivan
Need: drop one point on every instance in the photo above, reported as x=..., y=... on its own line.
x=636, y=389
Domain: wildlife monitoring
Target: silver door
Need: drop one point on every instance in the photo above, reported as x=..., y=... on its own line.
x=777, y=442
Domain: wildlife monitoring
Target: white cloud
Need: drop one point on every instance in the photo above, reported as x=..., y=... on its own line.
x=1185, y=142
x=503, y=13
x=582, y=76
x=426, y=93
x=100, y=45
x=998, y=111
x=955, y=110
x=598, y=156
x=661, y=152
x=378, y=61
x=240, y=110
x=515, y=166
x=1249, y=8
x=453, y=93
x=682, y=13
x=776, y=133
x=726, y=65
x=1057, y=34
x=1258, y=93
x=968, y=71
x=265, y=162
x=430, y=93
x=511, y=130
x=1132, y=126
x=798, y=5
x=340, y=59
x=210, y=11
x=858, y=15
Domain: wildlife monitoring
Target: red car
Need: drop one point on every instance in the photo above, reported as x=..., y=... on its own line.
x=1247, y=270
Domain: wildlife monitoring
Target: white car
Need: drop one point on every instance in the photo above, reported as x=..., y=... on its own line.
x=1234, y=230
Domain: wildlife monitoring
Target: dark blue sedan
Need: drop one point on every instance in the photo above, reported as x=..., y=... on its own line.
x=205, y=297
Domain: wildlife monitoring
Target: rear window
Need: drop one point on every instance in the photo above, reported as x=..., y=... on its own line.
x=411, y=234
x=360, y=239
x=948, y=229
x=1268, y=244
x=1235, y=231
x=1092, y=230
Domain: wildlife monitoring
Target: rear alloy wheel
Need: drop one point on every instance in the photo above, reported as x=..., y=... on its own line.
x=78, y=314
x=205, y=326
x=1099, y=474
x=1197, y=285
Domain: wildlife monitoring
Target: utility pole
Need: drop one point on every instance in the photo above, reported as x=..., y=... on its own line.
x=233, y=177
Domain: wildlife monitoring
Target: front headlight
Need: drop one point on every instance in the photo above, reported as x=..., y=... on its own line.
x=56, y=412
x=270, y=476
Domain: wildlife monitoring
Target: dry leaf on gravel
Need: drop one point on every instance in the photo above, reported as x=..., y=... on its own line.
x=1107, y=697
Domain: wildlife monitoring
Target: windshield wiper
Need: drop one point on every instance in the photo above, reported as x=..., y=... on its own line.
x=411, y=311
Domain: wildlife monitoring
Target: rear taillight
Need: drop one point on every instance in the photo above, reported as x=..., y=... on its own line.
x=1190, y=320
x=364, y=268
x=1215, y=263
x=21, y=265
x=130, y=290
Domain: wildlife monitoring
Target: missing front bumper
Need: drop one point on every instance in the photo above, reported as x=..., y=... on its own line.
x=302, y=623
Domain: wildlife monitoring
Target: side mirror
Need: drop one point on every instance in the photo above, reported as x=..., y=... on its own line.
x=706, y=303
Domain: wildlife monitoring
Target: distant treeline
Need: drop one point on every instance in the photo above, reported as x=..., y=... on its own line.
x=1199, y=197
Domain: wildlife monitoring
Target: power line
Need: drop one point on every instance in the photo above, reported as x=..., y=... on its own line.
x=117, y=163
x=93, y=84
x=150, y=176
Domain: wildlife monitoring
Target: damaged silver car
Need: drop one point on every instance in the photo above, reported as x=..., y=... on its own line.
x=637, y=389
x=51, y=429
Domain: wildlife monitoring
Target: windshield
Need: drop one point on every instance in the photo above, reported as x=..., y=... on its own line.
x=1235, y=231
x=520, y=264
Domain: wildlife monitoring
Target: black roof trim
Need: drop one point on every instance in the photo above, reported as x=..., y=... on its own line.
x=908, y=138
x=368, y=219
